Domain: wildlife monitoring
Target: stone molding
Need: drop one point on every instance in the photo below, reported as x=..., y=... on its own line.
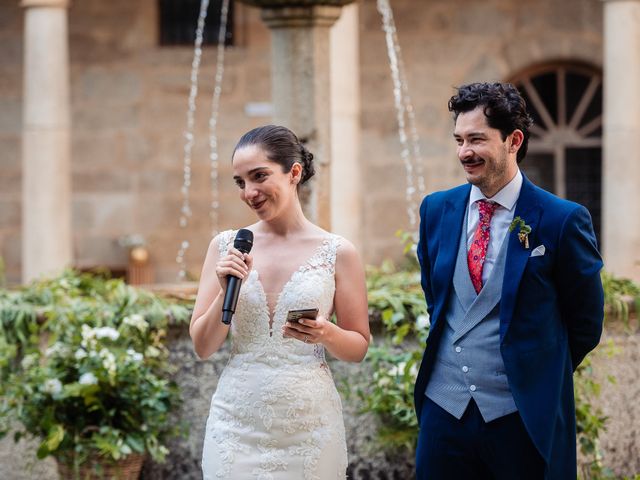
x=295, y=3
x=300, y=17
x=45, y=3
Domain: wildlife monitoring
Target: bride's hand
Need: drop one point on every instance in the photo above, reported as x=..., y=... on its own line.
x=233, y=263
x=308, y=330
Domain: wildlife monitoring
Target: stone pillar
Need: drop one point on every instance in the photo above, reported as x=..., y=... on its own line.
x=300, y=77
x=346, y=174
x=46, y=185
x=621, y=155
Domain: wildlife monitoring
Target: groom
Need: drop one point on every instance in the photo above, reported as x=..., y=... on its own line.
x=513, y=311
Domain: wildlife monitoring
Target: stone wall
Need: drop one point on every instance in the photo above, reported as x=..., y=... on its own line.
x=129, y=102
x=620, y=442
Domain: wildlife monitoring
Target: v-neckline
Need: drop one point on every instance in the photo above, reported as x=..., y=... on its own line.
x=271, y=314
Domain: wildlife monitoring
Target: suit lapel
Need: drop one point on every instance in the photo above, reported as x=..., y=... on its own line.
x=451, y=225
x=529, y=210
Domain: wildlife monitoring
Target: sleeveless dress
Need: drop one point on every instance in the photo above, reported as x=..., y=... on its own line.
x=276, y=414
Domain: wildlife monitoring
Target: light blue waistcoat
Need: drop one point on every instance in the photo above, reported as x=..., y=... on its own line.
x=469, y=363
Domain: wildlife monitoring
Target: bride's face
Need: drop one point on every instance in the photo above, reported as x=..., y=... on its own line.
x=263, y=184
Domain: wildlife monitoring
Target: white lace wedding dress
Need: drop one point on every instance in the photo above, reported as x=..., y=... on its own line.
x=276, y=414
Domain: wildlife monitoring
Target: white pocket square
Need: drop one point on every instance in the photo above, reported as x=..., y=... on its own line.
x=538, y=251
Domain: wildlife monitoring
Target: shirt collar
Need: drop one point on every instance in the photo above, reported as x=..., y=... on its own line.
x=507, y=197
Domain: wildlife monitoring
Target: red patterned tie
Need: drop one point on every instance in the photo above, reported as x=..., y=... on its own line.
x=478, y=250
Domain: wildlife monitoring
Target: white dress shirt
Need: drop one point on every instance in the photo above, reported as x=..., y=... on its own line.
x=502, y=218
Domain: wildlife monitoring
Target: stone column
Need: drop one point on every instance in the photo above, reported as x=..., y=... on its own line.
x=621, y=155
x=346, y=174
x=46, y=185
x=300, y=77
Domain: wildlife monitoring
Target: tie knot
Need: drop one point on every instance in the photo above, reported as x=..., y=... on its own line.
x=486, y=209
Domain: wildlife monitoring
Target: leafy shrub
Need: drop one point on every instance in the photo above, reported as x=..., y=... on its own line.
x=84, y=367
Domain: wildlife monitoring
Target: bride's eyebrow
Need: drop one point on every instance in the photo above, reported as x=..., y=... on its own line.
x=252, y=171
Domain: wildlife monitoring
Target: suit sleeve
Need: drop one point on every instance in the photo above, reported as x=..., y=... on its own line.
x=579, y=285
x=423, y=258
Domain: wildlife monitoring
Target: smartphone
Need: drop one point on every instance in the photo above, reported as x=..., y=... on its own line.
x=294, y=316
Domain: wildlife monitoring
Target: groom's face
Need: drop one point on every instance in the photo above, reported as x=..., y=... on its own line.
x=488, y=161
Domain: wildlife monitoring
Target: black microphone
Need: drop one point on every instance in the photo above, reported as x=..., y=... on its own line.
x=243, y=242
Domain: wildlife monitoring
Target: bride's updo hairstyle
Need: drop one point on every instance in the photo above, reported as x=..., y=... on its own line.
x=281, y=146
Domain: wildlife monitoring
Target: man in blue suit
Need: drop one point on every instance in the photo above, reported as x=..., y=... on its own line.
x=511, y=276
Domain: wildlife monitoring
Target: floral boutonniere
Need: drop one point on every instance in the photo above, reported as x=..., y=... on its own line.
x=523, y=232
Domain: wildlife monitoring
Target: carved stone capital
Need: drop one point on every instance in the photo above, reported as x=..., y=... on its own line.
x=296, y=17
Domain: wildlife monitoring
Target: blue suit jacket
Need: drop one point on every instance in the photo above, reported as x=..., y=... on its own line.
x=551, y=309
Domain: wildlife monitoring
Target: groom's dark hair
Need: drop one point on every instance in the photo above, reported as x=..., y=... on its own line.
x=503, y=106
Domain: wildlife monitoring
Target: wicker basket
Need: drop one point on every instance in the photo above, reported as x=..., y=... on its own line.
x=97, y=468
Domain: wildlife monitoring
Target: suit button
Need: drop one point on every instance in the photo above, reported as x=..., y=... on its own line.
x=458, y=349
x=472, y=388
x=465, y=369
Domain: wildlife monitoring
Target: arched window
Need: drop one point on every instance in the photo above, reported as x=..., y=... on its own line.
x=565, y=149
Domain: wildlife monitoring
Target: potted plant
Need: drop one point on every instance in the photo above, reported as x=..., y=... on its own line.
x=84, y=367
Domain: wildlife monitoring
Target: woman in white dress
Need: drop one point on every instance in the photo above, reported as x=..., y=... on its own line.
x=276, y=414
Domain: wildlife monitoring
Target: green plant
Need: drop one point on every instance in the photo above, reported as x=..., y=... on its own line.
x=396, y=299
x=619, y=295
x=83, y=367
x=590, y=421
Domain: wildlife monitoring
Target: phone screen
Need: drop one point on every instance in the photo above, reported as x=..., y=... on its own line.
x=296, y=315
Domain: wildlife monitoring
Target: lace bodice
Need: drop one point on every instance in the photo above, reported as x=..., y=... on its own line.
x=276, y=414
x=312, y=285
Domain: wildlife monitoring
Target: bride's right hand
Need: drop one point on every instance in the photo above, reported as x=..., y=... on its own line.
x=233, y=263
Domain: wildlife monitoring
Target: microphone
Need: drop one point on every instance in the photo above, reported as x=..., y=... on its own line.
x=242, y=242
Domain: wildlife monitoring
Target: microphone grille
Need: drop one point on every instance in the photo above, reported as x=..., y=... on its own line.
x=243, y=240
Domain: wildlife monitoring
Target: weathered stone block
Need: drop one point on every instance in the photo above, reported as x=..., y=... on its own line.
x=110, y=85
x=10, y=211
x=10, y=154
x=110, y=181
x=103, y=213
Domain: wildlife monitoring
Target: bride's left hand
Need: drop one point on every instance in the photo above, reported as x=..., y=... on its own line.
x=308, y=330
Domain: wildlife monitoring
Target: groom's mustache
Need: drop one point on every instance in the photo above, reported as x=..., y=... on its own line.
x=472, y=161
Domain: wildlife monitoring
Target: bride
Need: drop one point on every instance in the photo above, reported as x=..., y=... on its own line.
x=276, y=414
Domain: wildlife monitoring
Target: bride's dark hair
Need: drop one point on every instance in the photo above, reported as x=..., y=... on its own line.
x=281, y=146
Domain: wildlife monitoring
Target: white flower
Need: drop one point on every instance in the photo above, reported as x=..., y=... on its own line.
x=29, y=361
x=88, y=337
x=88, y=333
x=52, y=386
x=136, y=320
x=135, y=356
x=423, y=322
x=57, y=349
x=384, y=381
x=108, y=361
x=397, y=369
x=152, y=351
x=107, y=332
x=88, y=379
x=80, y=354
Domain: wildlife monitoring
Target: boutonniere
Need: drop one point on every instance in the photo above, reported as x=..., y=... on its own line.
x=523, y=232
